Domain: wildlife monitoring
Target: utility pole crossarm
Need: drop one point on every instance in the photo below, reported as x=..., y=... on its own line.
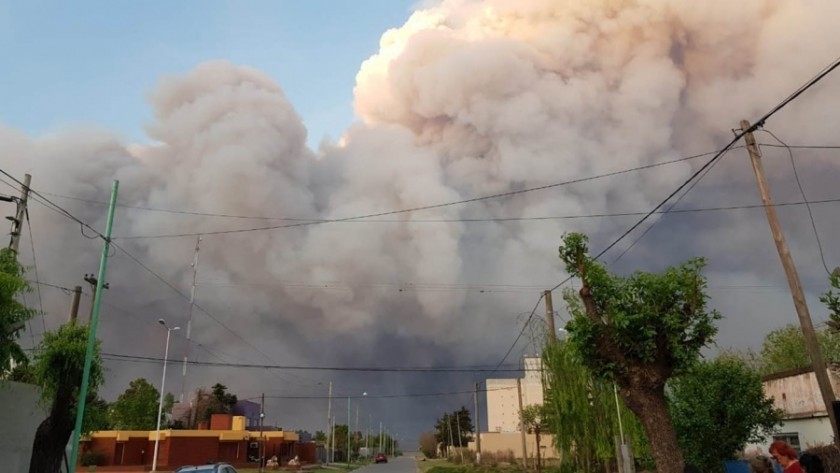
x=20, y=213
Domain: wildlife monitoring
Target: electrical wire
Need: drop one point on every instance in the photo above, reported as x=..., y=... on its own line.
x=362, y=369
x=35, y=268
x=417, y=209
x=668, y=210
x=804, y=198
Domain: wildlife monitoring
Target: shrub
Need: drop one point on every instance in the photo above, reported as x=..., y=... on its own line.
x=92, y=458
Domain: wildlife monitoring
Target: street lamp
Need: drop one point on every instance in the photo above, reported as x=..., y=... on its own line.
x=162, y=384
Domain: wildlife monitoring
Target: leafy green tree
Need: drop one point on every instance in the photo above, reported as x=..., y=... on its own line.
x=136, y=408
x=784, y=349
x=639, y=331
x=580, y=411
x=13, y=314
x=340, y=433
x=448, y=427
x=832, y=301
x=58, y=367
x=216, y=401
x=96, y=415
x=227, y=400
x=320, y=436
x=717, y=407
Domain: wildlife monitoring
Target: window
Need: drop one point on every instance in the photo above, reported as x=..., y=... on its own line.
x=792, y=439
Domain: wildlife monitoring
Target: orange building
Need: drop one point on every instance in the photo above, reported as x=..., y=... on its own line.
x=226, y=441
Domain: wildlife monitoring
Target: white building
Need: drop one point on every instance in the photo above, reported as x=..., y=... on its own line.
x=503, y=402
x=797, y=394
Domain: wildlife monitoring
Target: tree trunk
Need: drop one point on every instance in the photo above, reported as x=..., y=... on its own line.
x=48, y=447
x=651, y=407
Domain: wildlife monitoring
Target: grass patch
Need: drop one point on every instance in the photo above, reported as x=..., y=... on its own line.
x=437, y=464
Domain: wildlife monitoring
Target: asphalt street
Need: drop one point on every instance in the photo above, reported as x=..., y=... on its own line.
x=405, y=464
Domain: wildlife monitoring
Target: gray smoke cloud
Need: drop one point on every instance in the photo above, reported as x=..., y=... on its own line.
x=466, y=99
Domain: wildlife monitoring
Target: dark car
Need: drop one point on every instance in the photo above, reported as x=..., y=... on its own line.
x=380, y=458
x=208, y=468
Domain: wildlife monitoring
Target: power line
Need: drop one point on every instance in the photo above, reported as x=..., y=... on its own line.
x=804, y=198
x=406, y=369
x=420, y=208
x=573, y=216
x=524, y=327
x=35, y=268
x=669, y=209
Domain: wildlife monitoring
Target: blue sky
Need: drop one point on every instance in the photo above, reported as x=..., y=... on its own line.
x=63, y=64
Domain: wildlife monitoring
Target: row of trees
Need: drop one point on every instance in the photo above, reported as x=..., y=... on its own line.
x=453, y=429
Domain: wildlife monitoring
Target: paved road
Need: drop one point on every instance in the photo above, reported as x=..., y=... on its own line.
x=394, y=465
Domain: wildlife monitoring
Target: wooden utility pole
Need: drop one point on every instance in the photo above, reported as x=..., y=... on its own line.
x=549, y=316
x=793, y=281
x=74, y=307
x=477, y=426
x=94, y=288
x=521, y=423
x=20, y=213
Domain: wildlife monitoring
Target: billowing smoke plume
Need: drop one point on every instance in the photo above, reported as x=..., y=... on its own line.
x=466, y=99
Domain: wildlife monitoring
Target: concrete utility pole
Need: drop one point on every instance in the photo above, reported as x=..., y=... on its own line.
x=549, y=316
x=793, y=280
x=262, y=441
x=94, y=288
x=357, y=418
x=20, y=213
x=74, y=307
x=521, y=424
x=477, y=426
x=329, y=425
x=189, y=318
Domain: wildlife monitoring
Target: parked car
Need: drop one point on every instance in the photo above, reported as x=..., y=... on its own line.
x=380, y=458
x=208, y=468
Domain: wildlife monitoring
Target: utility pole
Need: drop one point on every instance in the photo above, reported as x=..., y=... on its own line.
x=329, y=425
x=94, y=289
x=380, y=437
x=793, y=280
x=333, y=440
x=20, y=213
x=91, y=342
x=74, y=307
x=357, y=418
x=449, y=425
x=477, y=426
x=262, y=440
x=549, y=316
x=189, y=317
x=521, y=424
x=348, y=432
